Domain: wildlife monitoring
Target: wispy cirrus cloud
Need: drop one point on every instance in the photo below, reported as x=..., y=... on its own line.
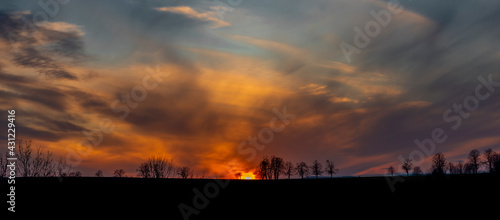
x=210, y=16
x=46, y=47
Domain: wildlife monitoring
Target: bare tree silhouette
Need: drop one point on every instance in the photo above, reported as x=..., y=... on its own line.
x=145, y=170
x=42, y=164
x=417, y=171
x=438, y=164
x=263, y=168
x=330, y=168
x=289, y=169
x=489, y=157
x=269, y=171
x=183, y=172
x=119, y=173
x=496, y=163
x=474, y=160
x=75, y=174
x=391, y=170
x=161, y=167
x=98, y=173
x=156, y=167
x=24, y=157
x=407, y=165
x=38, y=163
x=460, y=167
x=317, y=168
x=62, y=168
x=302, y=169
x=452, y=169
x=277, y=166
x=469, y=168
x=238, y=175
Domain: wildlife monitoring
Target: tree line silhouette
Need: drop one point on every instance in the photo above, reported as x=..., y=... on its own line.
x=33, y=161
x=272, y=168
x=161, y=167
x=490, y=160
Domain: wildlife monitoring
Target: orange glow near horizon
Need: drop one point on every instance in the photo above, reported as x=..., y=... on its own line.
x=246, y=176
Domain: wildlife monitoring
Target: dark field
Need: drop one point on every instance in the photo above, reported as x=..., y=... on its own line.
x=253, y=198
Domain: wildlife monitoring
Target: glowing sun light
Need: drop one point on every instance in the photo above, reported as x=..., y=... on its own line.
x=247, y=176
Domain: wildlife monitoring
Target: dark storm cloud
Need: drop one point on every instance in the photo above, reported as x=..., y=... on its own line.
x=30, y=57
x=138, y=29
x=389, y=125
x=25, y=131
x=458, y=39
x=442, y=62
x=49, y=52
x=29, y=121
x=182, y=113
x=89, y=101
x=10, y=78
x=66, y=44
x=24, y=88
x=381, y=130
x=49, y=97
x=20, y=88
x=10, y=28
x=7, y=97
x=55, y=125
x=61, y=125
x=182, y=109
x=17, y=31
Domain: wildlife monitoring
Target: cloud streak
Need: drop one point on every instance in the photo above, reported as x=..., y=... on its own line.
x=210, y=16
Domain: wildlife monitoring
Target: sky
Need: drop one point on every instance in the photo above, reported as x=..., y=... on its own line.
x=107, y=84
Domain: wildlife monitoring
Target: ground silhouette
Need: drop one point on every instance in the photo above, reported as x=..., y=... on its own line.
x=254, y=199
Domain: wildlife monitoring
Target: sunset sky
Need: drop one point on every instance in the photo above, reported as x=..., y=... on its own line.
x=197, y=79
